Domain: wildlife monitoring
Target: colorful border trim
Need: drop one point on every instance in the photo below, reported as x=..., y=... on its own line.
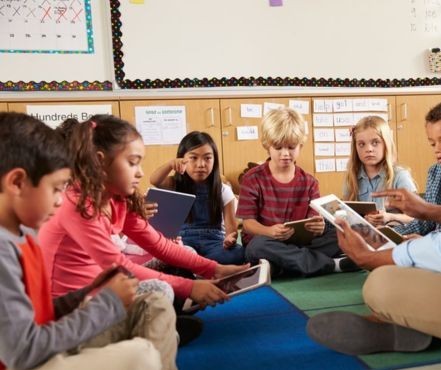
x=242, y=81
x=56, y=86
x=89, y=31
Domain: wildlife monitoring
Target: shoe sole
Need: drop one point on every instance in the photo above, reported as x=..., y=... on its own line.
x=354, y=335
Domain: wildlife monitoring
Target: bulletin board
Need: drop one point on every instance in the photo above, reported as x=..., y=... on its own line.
x=210, y=43
x=55, y=45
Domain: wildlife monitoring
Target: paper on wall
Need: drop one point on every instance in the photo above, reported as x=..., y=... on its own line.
x=267, y=106
x=251, y=110
x=341, y=164
x=342, y=149
x=342, y=134
x=54, y=114
x=322, y=106
x=247, y=133
x=343, y=119
x=323, y=134
x=323, y=120
x=159, y=125
x=301, y=106
x=342, y=105
x=325, y=165
x=324, y=149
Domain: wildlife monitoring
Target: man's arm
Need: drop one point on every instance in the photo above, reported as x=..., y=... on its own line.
x=357, y=250
x=411, y=204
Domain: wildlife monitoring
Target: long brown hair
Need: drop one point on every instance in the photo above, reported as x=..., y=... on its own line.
x=104, y=133
x=388, y=162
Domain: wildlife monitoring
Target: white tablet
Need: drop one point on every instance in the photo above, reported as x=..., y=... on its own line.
x=173, y=209
x=332, y=207
x=239, y=283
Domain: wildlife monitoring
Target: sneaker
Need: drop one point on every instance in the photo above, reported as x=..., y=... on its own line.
x=353, y=334
x=188, y=328
x=347, y=265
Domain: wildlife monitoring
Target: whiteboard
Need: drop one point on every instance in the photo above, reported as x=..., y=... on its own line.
x=312, y=39
x=96, y=66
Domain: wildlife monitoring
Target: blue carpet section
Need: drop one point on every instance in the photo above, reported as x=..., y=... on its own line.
x=259, y=330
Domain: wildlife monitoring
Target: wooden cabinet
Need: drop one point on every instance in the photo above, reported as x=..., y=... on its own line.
x=201, y=115
x=3, y=107
x=237, y=153
x=221, y=117
x=413, y=148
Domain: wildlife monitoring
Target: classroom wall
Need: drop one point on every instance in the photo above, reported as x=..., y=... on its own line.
x=236, y=43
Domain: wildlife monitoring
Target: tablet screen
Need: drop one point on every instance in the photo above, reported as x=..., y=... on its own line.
x=240, y=281
x=372, y=236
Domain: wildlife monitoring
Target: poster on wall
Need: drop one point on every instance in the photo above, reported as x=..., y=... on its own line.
x=46, y=26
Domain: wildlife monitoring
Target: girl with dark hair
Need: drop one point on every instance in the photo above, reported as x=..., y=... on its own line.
x=211, y=228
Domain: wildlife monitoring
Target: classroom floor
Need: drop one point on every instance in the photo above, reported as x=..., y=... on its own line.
x=342, y=291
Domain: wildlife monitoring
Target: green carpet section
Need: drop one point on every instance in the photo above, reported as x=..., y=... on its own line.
x=342, y=292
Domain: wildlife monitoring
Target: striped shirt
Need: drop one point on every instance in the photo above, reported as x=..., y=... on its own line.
x=270, y=202
x=432, y=195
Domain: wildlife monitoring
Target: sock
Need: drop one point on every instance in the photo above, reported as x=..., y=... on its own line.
x=337, y=264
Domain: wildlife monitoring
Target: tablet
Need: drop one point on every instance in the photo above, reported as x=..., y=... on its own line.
x=301, y=236
x=391, y=234
x=239, y=283
x=362, y=208
x=332, y=207
x=173, y=209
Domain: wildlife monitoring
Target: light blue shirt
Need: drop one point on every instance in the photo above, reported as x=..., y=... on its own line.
x=366, y=186
x=424, y=253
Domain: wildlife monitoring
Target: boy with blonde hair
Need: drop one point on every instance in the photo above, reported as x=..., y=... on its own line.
x=36, y=332
x=279, y=191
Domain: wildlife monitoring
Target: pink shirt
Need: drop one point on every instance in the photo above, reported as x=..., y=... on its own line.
x=76, y=249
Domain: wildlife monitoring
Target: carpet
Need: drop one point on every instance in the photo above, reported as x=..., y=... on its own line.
x=259, y=330
x=343, y=292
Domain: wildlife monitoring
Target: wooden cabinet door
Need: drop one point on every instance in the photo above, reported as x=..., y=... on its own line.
x=332, y=182
x=3, y=107
x=201, y=115
x=414, y=150
x=237, y=153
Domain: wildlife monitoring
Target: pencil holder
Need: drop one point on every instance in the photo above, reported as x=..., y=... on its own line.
x=435, y=60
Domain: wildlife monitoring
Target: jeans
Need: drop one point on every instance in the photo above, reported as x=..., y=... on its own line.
x=209, y=243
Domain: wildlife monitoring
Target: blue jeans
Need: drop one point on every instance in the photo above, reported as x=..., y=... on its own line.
x=209, y=243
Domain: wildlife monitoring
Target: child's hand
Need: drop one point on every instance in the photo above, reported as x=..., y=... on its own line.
x=178, y=240
x=230, y=240
x=379, y=218
x=104, y=277
x=316, y=225
x=225, y=270
x=151, y=209
x=124, y=287
x=205, y=292
x=179, y=165
x=280, y=232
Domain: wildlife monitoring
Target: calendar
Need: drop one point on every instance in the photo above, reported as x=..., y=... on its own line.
x=46, y=26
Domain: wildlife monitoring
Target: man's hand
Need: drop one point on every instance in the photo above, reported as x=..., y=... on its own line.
x=407, y=202
x=357, y=250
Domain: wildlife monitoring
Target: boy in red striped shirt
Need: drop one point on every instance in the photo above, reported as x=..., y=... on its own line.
x=279, y=191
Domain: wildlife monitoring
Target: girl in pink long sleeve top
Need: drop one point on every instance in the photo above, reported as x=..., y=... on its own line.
x=103, y=200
